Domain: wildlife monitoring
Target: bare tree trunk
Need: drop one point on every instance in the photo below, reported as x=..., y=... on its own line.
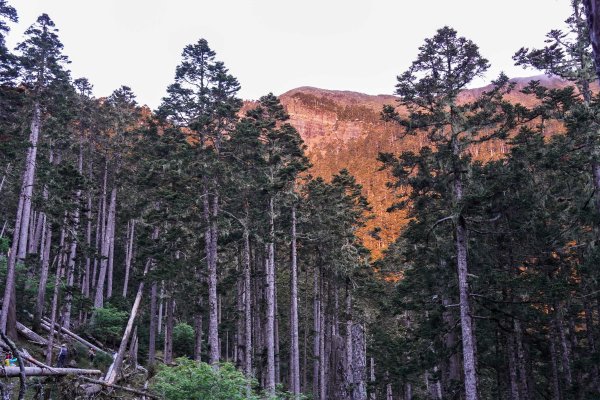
x=39, y=231
x=41, y=295
x=564, y=347
x=276, y=340
x=85, y=289
x=28, y=179
x=211, y=253
x=521, y=362
x=8, y=318
x=554, y=359
x=111, y=376
x=270, y=281
x=512, y=368
x=317, y=336
x=372, y=377
x=160, y=306
x=99, y=298
x=589, y=330
x=295, y=346
x=111, y=258
x=73, y=251
x=198, y=336
x=322, y=353
x=153, y=323
x=49, y=349
x=466, y=323
x=98, y=241
x=168, y=351
x=128, y=253
x=359, y=363
x=247, y=302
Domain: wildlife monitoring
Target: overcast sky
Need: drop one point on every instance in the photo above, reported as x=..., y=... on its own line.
x=278, y=45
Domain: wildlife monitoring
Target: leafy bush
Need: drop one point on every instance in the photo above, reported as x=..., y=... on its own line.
x=192, y=380
x=183, y=340
x=107, y=323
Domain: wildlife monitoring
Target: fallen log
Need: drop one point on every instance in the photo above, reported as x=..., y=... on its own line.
x=30, y=335
x=118, y=387
x=46, y=326
x=12, y=372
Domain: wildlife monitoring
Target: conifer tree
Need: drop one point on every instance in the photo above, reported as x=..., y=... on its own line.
x=429, y=90
x=42, y=65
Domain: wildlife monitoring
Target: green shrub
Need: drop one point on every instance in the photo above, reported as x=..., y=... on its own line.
x=192, y=380
x=183, y=340
x=107, y=324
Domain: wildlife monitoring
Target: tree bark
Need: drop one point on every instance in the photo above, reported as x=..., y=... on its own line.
x=359, y=363
x=72, y=251
x=41, y=295
x=270, y=282
x=99, y=297
x=128, y=254
x=466, y=323
x=317, y=336
x=247, y=302
x=111, y=258
x=49, y=349
x=210, y=237
x=295, y=346
x=153, y=323
x=168, y=351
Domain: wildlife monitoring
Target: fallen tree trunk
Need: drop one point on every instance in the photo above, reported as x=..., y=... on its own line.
x=118, y=387
x=30, y=335
x=46, y=325
x=13, y=372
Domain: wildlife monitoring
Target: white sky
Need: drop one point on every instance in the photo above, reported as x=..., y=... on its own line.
x=278, y=45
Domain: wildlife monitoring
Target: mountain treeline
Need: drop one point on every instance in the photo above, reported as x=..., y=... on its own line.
x=192, y=245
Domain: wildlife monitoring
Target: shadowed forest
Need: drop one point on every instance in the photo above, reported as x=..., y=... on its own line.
x=202, y=250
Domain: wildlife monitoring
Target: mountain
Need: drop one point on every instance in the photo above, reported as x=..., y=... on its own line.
x=343, y=129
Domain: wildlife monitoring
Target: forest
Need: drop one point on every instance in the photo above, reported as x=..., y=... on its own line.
x=188, y=252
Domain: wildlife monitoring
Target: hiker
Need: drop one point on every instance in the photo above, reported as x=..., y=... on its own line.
x=91, y=354
x=62, y=356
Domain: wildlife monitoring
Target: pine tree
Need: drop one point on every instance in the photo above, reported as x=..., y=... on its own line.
x=42, y=65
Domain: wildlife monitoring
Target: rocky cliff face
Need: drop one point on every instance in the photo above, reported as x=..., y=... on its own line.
x=344, y=130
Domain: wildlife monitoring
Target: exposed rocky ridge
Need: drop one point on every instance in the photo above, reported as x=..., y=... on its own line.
x=343, y=129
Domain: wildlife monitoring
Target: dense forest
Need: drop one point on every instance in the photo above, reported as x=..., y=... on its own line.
x=188, y=252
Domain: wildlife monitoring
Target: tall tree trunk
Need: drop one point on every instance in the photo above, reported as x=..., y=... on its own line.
x=589, y=330
x=153, y=323
x=113, y=373
x=554, y=361
x=73, y=250
x=98, y=244
x=521, y=362
x=512, y=368
x=317, y=336
x=8, y=317
x=128, y=253
x=45, y=266
x=28, y=179
x=466, y=322
x=211, y=252
x=54, y=311
x=85, y=287
x=359, y=363
x=111, y=258
x=295, y=346
x=99, y=298
x=565, y=350
x=168, y=350
x=270, y=281
x=247, y=302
